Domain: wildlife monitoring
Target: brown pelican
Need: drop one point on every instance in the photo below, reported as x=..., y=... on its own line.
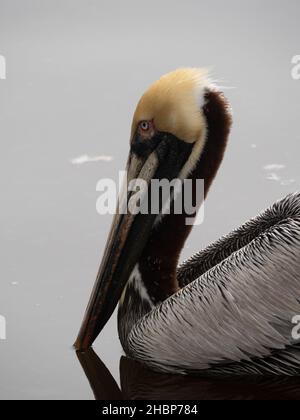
x=229, y=309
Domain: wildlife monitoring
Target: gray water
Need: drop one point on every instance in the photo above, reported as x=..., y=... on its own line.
x=75, y=71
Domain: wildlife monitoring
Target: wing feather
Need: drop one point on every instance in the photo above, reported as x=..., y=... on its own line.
x=237, y=315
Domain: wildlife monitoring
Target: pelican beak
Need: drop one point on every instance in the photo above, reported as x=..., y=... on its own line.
x=129, y=234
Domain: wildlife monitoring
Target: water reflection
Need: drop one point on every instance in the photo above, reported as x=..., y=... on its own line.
x=140, y=383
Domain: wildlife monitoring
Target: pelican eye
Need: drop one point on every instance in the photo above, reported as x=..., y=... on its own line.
x=145, y=125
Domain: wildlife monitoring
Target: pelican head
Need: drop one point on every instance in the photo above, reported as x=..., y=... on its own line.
x=179, y=130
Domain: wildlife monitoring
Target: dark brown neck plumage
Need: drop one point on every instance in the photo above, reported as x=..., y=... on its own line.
x=158, y=263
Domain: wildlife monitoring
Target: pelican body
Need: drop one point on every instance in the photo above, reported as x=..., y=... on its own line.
x=229, y=309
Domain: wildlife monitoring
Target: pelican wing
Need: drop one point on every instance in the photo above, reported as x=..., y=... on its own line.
x=236, y=311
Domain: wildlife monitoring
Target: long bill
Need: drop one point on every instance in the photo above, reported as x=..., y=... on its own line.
x=128, y=237
x=126, y=240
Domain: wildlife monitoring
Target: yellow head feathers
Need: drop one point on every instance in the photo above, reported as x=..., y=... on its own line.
x=174, y=103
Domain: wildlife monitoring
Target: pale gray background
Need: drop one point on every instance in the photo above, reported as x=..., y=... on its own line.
x=75, y=70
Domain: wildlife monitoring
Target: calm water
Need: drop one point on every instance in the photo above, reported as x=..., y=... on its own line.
x=138, y=382
x=75, y=71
